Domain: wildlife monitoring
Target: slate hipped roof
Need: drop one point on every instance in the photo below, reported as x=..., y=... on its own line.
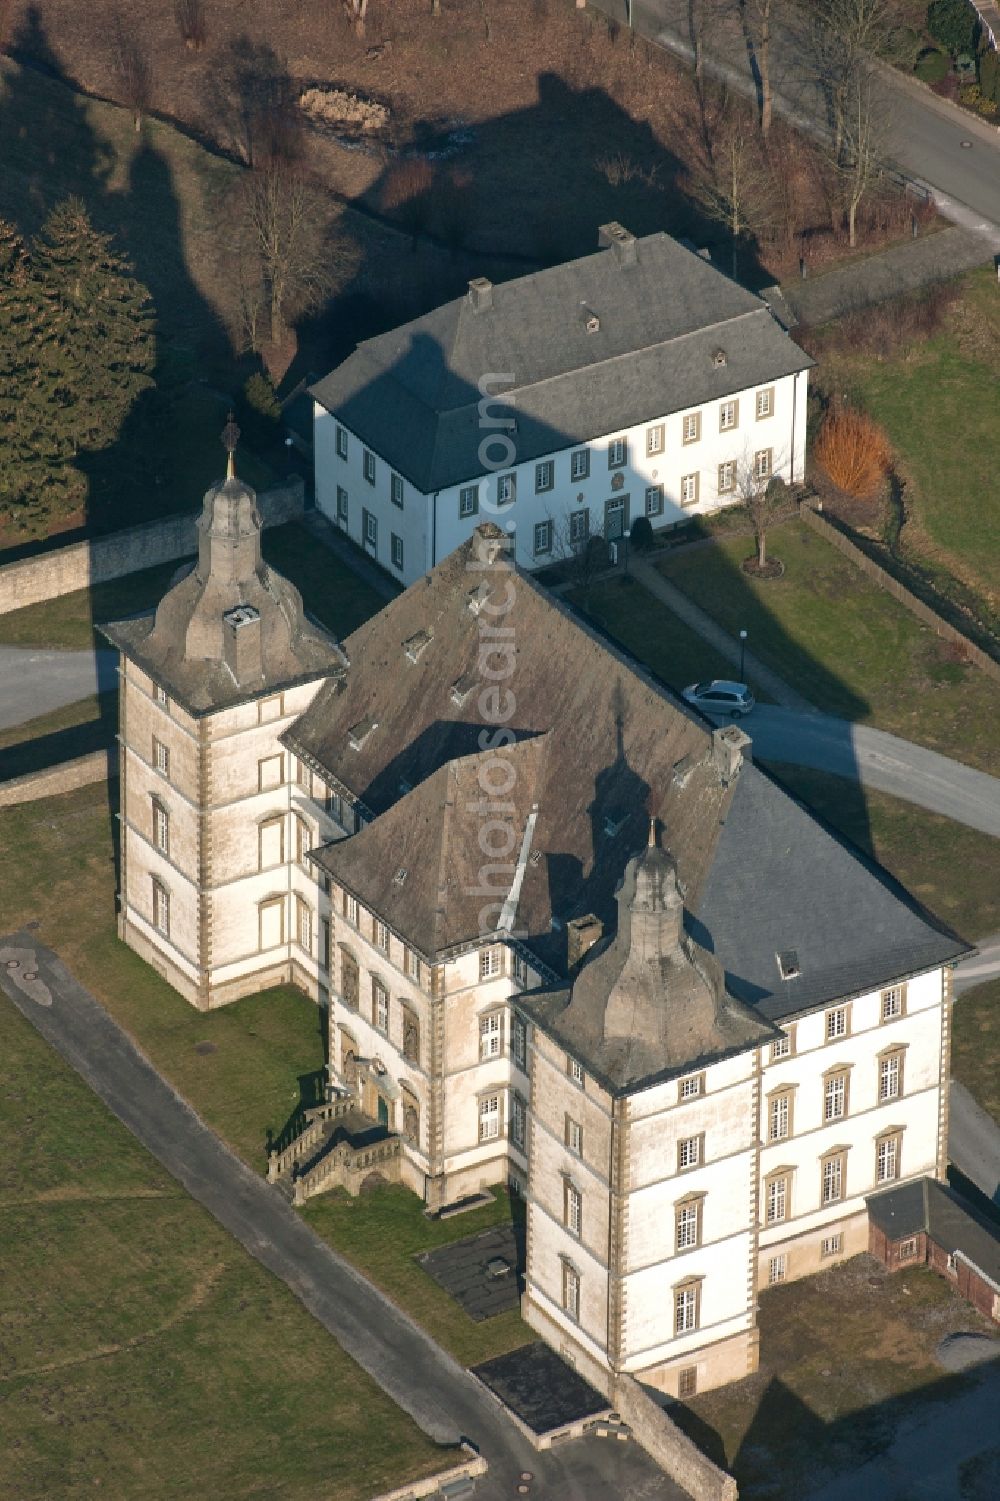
x=413, y=394
x=600, y=746
x=932, y=1208
x=231, y=628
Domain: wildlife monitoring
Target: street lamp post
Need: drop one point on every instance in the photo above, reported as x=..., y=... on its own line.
x=743, y=652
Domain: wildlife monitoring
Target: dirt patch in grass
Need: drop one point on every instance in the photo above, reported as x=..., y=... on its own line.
x=143, y=1352
x=845, y=1356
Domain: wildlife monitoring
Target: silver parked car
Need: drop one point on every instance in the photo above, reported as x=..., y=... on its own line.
x=720, y=697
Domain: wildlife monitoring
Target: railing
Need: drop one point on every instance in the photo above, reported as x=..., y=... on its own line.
x=346, y=1166
x=317, y=1117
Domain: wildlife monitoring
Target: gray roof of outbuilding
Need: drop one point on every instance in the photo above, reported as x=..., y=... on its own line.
x=413, y=394
x=934, y=1208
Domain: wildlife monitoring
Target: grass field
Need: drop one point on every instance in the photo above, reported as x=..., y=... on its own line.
x=142, y=1352
x=932, y=401
x=665, y=644
x=847, y=646
x=382, y=1231
x=845, y=1357
x=975, y=1045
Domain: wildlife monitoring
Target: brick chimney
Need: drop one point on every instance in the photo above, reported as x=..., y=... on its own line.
x=581, y=934
x=730, y=747
x=621, y=241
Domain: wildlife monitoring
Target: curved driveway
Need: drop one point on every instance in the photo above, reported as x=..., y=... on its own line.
x=34, y=682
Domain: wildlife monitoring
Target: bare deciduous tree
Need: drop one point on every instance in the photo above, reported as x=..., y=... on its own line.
x=702, y=17
x=580, y=548
x=858, y=158
x=757, y=17
x=762, y=494
x=192, y=23
x=844, y=37
x=133, y=72
x=734, y=183
x=357, y=10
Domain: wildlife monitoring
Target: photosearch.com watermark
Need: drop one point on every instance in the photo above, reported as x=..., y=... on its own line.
x=498, y=835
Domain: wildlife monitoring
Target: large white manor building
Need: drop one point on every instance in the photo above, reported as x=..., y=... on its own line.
x=567, y=936
x=639, y=381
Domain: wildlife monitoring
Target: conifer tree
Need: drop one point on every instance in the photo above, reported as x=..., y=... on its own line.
x=98, y=346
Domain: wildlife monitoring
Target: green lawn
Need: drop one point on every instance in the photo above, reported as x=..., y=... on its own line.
x=142, y=1352
x=975, y=1045
x=382, y=1231
x=49, y=739
x=845, y=1357
x=937, y=404
x=331, y=591
x=650, y=632
x=847, y=646
x=949, y=868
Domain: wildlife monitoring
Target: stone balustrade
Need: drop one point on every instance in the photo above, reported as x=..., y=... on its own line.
x=317, y=1118
x=348, y=1167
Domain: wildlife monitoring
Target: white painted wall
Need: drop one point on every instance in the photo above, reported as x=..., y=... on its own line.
x=431, y=526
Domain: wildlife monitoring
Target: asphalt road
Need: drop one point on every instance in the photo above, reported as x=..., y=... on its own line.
x=925, y=136
x=419, y=1376
x=36, y=682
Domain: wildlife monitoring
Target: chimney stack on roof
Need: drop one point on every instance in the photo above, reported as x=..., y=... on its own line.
x=730, y=746
x=621, y=241
x=481, y=294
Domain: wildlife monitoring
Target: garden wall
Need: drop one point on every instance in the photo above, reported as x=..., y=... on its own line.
x=81, y=564
x=912, y=602
x=672, y=1449
x=98, y=766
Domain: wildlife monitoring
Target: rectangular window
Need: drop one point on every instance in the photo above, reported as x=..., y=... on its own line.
x=575, y=1071
x=777, y=1199
x=762, y=464
x=574, y=1136
x=396, y=551
x=396, y=490
x=908, y=1248
x=368, y=466
x=351, y=909
x=691, y=428
x=836, y=1023
x=727, y=477
x=370, y=528
x=161, y=909
x=341, y=443
x=779, y=1117
x=269, y=708
x=519, y=1042
x=688, y=1152
x=831, y=1245
x=380, y=1006
x=685, y=1309
x=691, y=1087
x=689, y=490
x=688, y=1225
x=654, y=439
x=579, y=464
x=303, y=776
x=161, y=757
x=542, y=537
x=490, y=961
x=518, y=1121
x=892, y=1003
x=380, y=935
x=579, y=525
x=270, y=773
x=161, y=828
x=572, y=1208
x=545, y=476
x=890, y=1077
x=687, y=1382
x=468, y=500
x=506, y=489
x=160, y=694
x=654, y=500
x=342, y=505
x=777, y=1268
x=271, y=843
x=833, y=1179
x=835, y=1097
x=271, y=923
x=521, y=970
x=765, y=402
x=887, y=1159
x=489, y=1117
x=491, y=1036
x=729, y=416
x=617, y=453
x=303, y=925
x=411, y=964
x=781, y=1047
x=571, y=1291
x=303, y=840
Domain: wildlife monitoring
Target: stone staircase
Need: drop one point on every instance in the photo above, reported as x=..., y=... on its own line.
x=339, y=1147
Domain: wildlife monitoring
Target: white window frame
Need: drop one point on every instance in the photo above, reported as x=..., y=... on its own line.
x=779, y=1115
x=343, y=505
x=396, y=489
x=161, y=827
x=689, y=489
x=579, y=525
x=575, y=1071
x=833, y=1179
x=380, y=935
x=887, y=1159
x=468, y=501
x=891, y=1006
x=490, y=1036
x=370, y=532
x=835, y=1097
x=574, y=1137
x=689, y=1152
x=777, y=1268
x=571, y=1291
x=161, y=908
x=691, y=1088
x=545, y=476
x=161, y=757
x=518, y=1121
x=836, y=1024
x=654, y=500
x=396, y=550
x=490, y=1117
x=685, y=1310
x=729, y=415
x=776, y=1206
x=579, y=464
x=490, y=961
x=541, y=538
x=368, y=467
x=890, y=1070
x=831, y=1245
x=617, y=453
x=352, y=910
x=341, y=442
x=688, y=1226
x=573, y=1209
x=654, y=440
x=727, y=477
x=380, y=1006
x=691, y=427
x=765, y=403
x=506, y=488
x=303, y=924
x=763, y=464
x=519, y=1042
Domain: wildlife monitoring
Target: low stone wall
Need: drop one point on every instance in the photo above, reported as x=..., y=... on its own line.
x=80, y=564
x=433, y=1485
x=673, y=1451
x=906, y=597
x=98, y=766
